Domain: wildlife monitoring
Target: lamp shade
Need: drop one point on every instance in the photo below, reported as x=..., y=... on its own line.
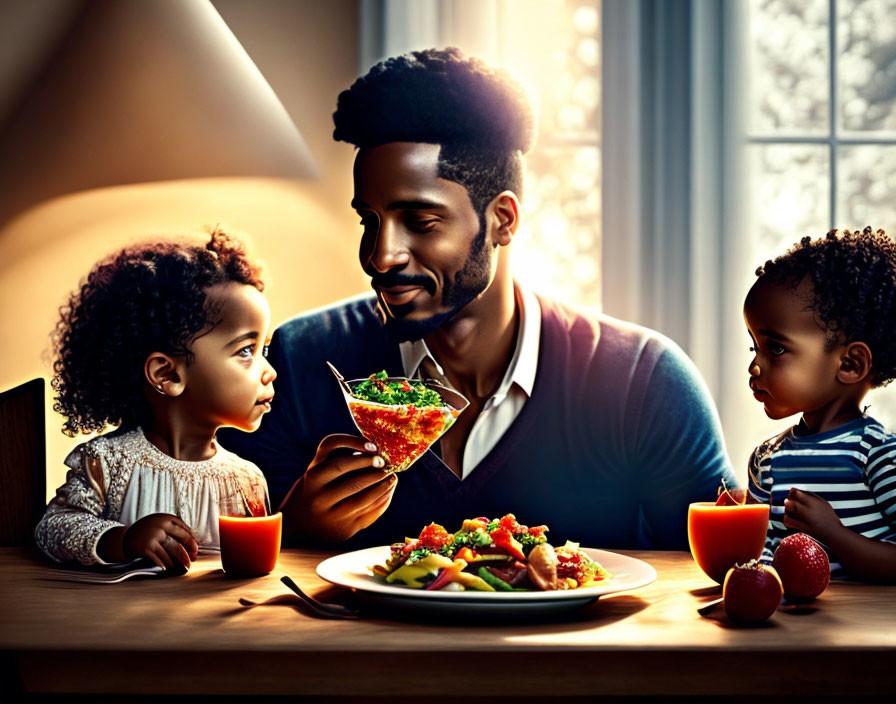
x=142, y=91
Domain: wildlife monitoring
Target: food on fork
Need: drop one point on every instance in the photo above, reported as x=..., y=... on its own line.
x=489, y=555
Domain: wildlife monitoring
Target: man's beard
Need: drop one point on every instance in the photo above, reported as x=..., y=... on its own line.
x=467, y=285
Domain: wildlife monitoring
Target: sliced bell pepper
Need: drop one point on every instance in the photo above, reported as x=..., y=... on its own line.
x=411, y=575
x=470, y=524
x=471, y=581
x=504, y=540
x=448, y=574
x=494, y=558
x=465, y=553
x=455, y=573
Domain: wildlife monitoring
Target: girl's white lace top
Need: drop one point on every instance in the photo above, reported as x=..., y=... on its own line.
x=116, y=479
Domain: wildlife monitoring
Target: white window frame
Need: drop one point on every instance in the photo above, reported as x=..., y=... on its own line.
x=836, y=137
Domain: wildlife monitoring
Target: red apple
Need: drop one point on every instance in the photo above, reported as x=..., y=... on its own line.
x=803, y=566
x=751, y=592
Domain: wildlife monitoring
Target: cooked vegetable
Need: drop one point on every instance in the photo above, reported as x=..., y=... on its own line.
x=489, y=555
x=504, y=539
x=455, y=573
x=421, y=572
x=493, y=581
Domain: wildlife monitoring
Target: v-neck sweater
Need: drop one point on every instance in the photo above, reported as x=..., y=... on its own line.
x=618, y=437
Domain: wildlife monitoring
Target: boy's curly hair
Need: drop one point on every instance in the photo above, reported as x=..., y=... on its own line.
x=854, y=280
x=479, y=115
x=142, y=299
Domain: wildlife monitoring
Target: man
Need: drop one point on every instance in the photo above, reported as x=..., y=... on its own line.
x=600, y=429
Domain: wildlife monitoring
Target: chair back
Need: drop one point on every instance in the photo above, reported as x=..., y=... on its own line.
x=23, y=464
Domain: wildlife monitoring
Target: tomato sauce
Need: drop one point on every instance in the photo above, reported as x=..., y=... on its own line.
x=402, y=433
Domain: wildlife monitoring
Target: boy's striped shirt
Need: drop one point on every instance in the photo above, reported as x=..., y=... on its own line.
x=852, y=467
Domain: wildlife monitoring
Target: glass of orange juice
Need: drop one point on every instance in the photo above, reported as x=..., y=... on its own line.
x=721, y=536
x=250, y=545
x=250, y=538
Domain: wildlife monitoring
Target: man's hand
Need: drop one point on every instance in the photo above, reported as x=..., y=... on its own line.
x=163, y=538
x=809, y=513
x=343, y=490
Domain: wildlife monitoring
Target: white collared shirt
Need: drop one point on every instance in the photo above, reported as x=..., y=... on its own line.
x=502, y=408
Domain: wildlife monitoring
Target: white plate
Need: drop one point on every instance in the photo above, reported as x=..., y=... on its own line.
x=352, y=570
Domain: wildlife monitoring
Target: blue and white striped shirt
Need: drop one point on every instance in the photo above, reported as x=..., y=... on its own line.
x=852, y=467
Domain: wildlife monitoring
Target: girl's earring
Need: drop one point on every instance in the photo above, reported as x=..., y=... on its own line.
x=159, y=388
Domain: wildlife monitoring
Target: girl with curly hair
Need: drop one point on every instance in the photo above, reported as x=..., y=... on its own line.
x=821, y=318
x=167, y=341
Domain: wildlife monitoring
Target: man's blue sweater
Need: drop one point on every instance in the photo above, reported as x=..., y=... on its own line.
x=618, y=437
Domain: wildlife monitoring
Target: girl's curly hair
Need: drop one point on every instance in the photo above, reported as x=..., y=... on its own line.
x=854, y=280
x=142, y=299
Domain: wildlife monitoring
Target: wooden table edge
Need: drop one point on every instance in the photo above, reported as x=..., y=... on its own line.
x=574, y=673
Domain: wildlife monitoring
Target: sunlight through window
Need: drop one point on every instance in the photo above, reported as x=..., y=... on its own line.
x=557, y=251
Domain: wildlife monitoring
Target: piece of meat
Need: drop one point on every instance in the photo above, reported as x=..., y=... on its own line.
x=511, y=574
x=542, y=567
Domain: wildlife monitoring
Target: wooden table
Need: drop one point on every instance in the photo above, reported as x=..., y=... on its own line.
x=190, y=635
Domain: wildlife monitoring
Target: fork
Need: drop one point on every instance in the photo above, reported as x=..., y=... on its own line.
x=322, y=608
x=290, y=600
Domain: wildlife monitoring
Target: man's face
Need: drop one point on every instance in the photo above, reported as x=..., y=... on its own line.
x=422, y=245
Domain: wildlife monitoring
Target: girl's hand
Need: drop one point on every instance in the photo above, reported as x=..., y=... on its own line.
x=809, y=513
x=164, y=539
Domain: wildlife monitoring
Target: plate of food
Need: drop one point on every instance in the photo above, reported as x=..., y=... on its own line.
x=402, y=416
x=486, y=565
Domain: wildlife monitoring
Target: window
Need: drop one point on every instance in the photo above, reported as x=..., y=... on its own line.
x=822, y=117
x=558, y=249
x=821, y=124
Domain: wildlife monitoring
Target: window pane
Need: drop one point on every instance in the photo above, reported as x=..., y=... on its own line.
x=866, y=68
x=790, y=192
x=866, y=193
x=561, y=62
x=788, y=65
x=881, y=405
x=557, y=250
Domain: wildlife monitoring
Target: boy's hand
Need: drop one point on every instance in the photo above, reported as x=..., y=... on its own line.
x=164, y=539
x=809, y=513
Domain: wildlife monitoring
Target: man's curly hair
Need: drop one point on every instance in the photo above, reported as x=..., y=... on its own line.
x=479, y=115
x=854, y=280
x=145, y=298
